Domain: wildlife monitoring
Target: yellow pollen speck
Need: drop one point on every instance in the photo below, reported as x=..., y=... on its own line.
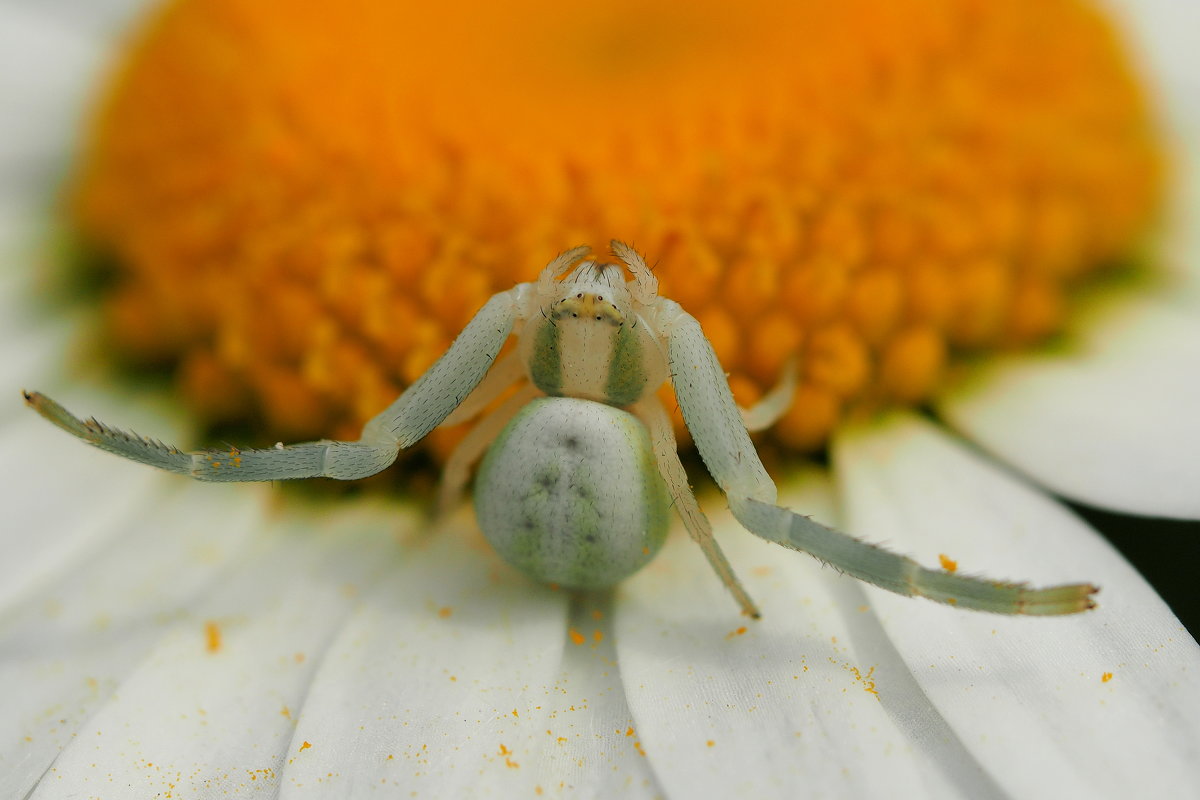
x=711, y=743
x=576, y=636
x=867, y=680
x=445, y=611
x=736, y=632
x=948, y=564
x=1106, y=677
x=598, y=635
x=212, y=637
x=851, y=183
x=305, y=746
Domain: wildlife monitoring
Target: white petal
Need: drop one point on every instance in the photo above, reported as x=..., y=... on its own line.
x=46, y=71
x=1180, y=249
x=1112, y=419
x=207, y=711
x=452, y=681
x=782, y=707
x=102, y=19
x=74, y=638
x=587, y=746
x=1028, y=697
x=1161, y=37
x=439, y=683
x=62, y=498
x=51, y=62
x=25, y=356
x=1161, y=34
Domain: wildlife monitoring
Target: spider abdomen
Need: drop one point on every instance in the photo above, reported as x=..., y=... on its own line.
x=570, y=493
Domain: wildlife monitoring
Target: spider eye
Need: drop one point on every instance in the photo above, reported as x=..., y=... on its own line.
x=600, y=299
x=580, y=295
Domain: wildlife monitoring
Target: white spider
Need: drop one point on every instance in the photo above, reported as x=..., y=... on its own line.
x=580, y=467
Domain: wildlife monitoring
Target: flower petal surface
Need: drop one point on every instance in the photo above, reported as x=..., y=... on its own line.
x=207, y=709
x=789, y=705
x=50, y=61
x=1110, y=419
x=445, y=682
x=1101, y=704
x=73, y=638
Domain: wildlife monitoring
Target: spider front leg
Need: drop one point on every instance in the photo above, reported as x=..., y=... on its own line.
x=713, y=419
x=332, y=459
x=901, y=574
x=413, y=415
x=503, y=374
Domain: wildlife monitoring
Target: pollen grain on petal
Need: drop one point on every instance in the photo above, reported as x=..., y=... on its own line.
x=874, y=186
x=212, y=637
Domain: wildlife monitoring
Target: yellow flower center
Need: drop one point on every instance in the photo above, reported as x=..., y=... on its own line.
x=308, y=200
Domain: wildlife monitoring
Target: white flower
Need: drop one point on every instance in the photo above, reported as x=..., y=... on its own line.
x=164, y=638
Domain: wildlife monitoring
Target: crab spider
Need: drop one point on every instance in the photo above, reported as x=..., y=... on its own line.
x=579, y=464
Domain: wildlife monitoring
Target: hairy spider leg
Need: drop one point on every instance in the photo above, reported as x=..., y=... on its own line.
x=771, y=407
x=713, y=420
x=343, y=460
x=453, y=377
x=508, y=370
x=666, y=453
x=414, y=414
x=548, y=278
x=645, y=286
x=900, y=574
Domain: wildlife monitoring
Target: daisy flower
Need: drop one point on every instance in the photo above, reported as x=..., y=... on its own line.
x=297, y=210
